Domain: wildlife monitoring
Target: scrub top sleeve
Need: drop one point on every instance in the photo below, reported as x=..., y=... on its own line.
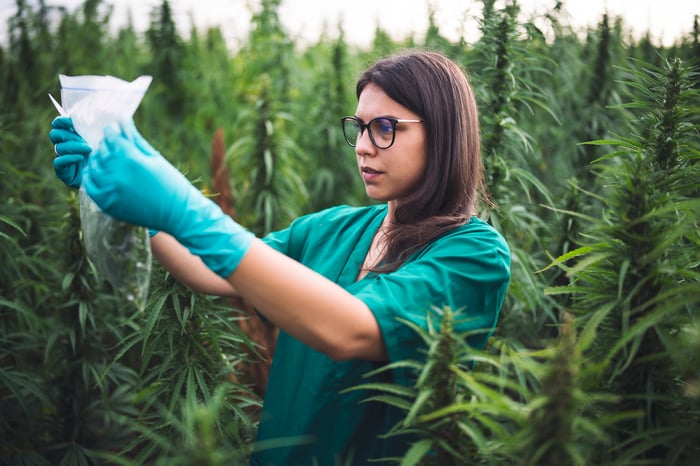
x=289, y=241
x=279, y=240
x=293, y=240
x=468, y=271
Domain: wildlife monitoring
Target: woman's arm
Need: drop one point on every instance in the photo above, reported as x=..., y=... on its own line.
x=188, y=268
x=307, y=305
x=292, y=296
x=303, y=303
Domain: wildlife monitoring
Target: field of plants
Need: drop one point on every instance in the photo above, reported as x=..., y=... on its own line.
x=591, y=146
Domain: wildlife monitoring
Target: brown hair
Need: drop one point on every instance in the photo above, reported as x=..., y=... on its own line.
x=437, y=89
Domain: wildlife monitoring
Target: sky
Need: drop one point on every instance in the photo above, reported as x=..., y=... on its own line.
x=304, y=20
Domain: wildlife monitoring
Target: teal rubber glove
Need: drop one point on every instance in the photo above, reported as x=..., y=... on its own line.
x=132, y=182
x=71, y=150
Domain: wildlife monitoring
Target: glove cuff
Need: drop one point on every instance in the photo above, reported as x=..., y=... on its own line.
x=226, y=242
x=212, y=235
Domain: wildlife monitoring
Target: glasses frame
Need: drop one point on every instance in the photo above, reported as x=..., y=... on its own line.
x=362, y=125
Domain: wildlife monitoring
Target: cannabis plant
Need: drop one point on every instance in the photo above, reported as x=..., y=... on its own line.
x=273, y=192
x=503, y=70
x=638, y=268
x=464, y=404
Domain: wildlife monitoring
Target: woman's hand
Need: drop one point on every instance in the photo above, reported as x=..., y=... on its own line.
x=132, y=182
x=71, y=151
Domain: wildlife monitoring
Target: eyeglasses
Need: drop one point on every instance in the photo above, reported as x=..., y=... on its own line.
x=382, y=130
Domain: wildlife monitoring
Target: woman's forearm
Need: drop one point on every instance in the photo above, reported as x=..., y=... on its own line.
x=307, y=305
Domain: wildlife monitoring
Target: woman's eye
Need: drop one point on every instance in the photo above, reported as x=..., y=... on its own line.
x=384, y=126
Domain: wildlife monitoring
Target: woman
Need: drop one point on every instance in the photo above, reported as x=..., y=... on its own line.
x=338, y=283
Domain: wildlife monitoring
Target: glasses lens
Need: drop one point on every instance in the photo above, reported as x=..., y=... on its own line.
x=351, y=131
x=382, y=132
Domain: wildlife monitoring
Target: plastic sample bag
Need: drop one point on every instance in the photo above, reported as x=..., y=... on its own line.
x=120, y=252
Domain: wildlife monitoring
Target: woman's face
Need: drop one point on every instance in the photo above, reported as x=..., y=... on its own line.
x=389, y=174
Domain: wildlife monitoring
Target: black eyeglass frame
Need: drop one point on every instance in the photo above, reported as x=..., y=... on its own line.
x=366, y=126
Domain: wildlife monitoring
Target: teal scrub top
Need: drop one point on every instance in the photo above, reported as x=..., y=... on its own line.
x=306, y=420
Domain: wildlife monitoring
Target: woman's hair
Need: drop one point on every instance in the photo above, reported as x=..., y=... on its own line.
x=437, y=89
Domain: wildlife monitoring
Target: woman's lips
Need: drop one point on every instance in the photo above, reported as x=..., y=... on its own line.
x=370, y=174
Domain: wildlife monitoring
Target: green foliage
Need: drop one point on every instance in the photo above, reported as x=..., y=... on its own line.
x=329, y=95
x=638, y=267
x=168, y=54
x=271, y=159
x=507, y=74
x=501, y=405
x=608, y=238
x=455, y=411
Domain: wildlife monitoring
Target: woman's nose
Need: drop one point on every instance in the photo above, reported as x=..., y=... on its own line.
x=364, y=145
